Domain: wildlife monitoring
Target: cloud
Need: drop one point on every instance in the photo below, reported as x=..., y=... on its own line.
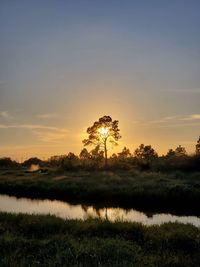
x=176, y=118
x=51, y=136
x=164, y=119
x=47, y=116
x=34, y=127
x=5, y=115
x=44, y=133
x=191, y=117
x=27, y=126
x=173, y=121
x=178, y=125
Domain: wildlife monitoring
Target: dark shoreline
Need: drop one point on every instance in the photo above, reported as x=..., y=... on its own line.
x=175, y=199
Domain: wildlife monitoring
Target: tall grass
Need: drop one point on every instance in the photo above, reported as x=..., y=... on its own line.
x=30, y=240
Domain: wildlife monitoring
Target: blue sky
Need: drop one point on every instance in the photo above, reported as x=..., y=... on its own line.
x=66, y=63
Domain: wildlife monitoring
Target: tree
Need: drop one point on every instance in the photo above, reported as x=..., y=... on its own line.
x=70, y=161
x=84, y=154
x=180, y=151
x=56, y=161
x=33, y=161
x=145, y=152
x=198, y=147
x=102, y=132
x=8, y=163
x=96, y=156
x=144, y=155
x=125, y=153
x=171, y=153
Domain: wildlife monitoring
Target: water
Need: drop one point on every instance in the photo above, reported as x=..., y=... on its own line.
x=67, y=211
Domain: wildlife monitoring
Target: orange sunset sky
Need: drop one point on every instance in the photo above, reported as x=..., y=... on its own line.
x=64, y=64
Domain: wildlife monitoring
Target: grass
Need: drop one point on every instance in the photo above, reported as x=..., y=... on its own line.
x=33, y=240
x=151, y=191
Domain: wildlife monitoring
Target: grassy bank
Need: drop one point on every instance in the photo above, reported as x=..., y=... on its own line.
x=151, y=191
x=30, y=240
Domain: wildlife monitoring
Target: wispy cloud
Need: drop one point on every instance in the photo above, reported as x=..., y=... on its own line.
x=164, y=119
x=5, y=115
x=51, y=136
x=192, y=117
x=176, y=118
x=178, y=125
x=173, y=121
x=47, y=115
x=44, y=133
x=27, y=126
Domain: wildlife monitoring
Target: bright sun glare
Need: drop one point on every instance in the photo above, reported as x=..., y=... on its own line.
x=103, y=131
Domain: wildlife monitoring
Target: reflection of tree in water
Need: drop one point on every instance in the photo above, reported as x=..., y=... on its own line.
x=117, y=214
x=100, y=213
x=127, y=211
x=90, y=212
x=94, y=212
x=97, y=212
x=112, y=214
x=84, y=207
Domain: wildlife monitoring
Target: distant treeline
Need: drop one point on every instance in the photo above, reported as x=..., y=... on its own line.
x=144, y=158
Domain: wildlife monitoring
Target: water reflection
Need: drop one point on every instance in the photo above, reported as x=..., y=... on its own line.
x=67, y=211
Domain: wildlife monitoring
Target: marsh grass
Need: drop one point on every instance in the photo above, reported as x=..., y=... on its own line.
x=33, y=240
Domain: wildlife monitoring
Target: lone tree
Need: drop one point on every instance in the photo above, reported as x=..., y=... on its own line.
x=102, y=132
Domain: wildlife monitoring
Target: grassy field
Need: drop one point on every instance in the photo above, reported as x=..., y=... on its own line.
x=151, y=191
x=31, y=240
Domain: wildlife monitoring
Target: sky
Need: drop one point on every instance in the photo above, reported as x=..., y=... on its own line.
x=65, y=64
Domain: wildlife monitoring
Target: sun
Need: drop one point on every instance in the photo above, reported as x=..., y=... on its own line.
x=103, y=131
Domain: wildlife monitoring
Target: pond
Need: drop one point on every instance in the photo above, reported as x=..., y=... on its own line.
x=67, y=211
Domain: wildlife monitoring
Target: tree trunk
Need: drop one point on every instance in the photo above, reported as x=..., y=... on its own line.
x=105, y=154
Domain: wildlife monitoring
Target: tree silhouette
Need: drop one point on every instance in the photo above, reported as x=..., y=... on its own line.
x=145, y=152
x=171, y=153
x=198, y=147
x=180, y=151
x=34, y=161
x=102, y=132
x=125, y=153
x=84, y=154
x=70, y=161
x=8, y=163
x=96, y=155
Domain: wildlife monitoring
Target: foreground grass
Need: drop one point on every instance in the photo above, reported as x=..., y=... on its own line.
x=32, y=240
x=176, y=192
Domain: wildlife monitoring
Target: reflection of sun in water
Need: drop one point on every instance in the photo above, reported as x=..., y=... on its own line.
x=103, y=131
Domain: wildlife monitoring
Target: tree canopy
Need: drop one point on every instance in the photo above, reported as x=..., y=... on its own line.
x=145, y=152
x=103, y=132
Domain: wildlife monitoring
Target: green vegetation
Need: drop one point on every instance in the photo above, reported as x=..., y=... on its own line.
x=151, y=191
x=32, y=240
